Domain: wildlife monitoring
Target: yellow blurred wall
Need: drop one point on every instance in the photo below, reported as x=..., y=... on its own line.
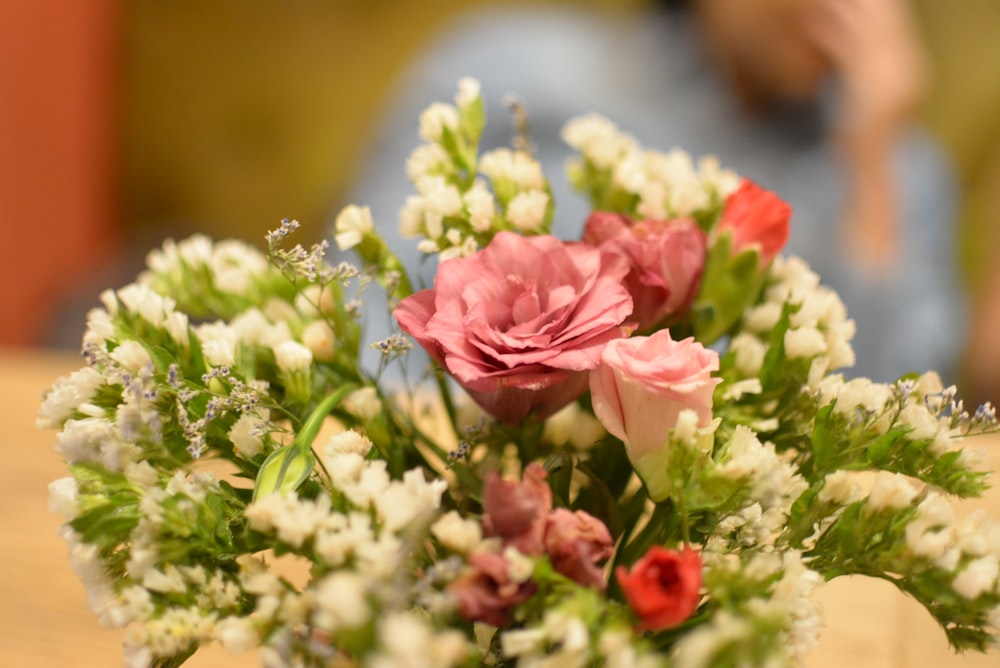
x=241, y=113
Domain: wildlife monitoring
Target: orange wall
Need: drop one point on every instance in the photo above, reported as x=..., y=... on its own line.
x=58, y=94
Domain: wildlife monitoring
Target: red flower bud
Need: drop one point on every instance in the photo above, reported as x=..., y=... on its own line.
x=663, y=587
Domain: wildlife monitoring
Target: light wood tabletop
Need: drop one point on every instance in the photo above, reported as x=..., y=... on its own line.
x=45, y=622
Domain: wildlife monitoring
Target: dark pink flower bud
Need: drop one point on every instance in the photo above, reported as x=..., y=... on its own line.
x=576, y=542
x=517, y=511
x=487, y=593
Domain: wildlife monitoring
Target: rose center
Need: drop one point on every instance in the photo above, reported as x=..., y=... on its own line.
x=526, y=305
x=666, y=577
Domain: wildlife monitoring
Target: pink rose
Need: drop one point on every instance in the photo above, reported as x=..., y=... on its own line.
x=517, y=511
x=520, y=323
x=757, y=218
x=576, y=542
x=663, y=587
x=666, y=259
x=643, y=384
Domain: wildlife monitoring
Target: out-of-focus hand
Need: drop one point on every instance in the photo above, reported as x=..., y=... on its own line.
x=882, y=69
x=880, y=62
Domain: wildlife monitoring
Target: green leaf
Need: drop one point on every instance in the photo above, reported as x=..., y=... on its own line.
x=729, y=284
x=822, y=440
x=596, y=499
x=284, y=471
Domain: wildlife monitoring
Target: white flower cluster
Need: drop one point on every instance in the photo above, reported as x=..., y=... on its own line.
x=774, y=485
x=153, y=628
x=231, y=266
x=970, y=548
x=779, y=625
x=360, y=553
x=668, y=185
x=461, y=198
x=922, y=408
x=563, y=639
x=819, y=330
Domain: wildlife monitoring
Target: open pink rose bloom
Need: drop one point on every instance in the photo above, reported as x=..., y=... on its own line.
x=520, y=323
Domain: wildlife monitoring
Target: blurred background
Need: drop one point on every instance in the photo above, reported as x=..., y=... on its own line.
x=125, y=122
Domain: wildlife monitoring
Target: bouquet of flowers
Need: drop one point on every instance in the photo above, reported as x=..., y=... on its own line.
x=629, y=450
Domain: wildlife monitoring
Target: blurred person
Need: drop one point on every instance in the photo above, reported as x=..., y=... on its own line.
x=809, y=98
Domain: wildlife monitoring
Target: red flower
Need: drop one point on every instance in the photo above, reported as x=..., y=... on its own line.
x=756, y=218
x=663, y=587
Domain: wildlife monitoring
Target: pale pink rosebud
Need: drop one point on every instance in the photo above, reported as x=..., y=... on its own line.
x=641, y=388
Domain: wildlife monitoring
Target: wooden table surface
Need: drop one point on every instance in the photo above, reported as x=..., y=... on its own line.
x=45, y=622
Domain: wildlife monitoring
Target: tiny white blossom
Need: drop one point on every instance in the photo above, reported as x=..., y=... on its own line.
x=244, y=435
x=978, y=577
x=363, y=404
x=100, y=328
x=411, y=216
x=468, y=91
x=352, y=224
x=318, y=337
x=598, y=139
x=235, y=265
x=404, y=501
x=292, y=356
x=749, y=352
x=278, y=310
x=348, y=441
x=519, y=566
x=361, y=481
x=218, y=343
x=520, y=642
x=456, y=533
x=930, y=533
x=517, y=167
x=237, y=634
x=435, y=118
x=439, y=197
x=862, y=392
x=762, y=318
x=166, y=581
x=341, y=599
x=840, y=487
x=978, y=534
x=132, y=355
x=63, y=496
x=573, y=426
x=736, y=390
x=527, y=210
x=923, y=423
x=890, y=491
x=804, y=342
x=479, y=203
x=652, y=201
x=66, y=395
